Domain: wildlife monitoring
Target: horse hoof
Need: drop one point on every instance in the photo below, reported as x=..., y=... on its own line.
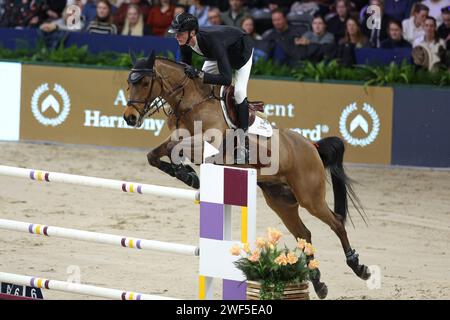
x=321, y=290
x=194, y=180
x=364, y=273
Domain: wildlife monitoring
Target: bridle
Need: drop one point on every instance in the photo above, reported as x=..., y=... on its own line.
x=149, y=105
x=139, y=74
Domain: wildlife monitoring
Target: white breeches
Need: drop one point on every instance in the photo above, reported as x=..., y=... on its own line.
x=241, y=77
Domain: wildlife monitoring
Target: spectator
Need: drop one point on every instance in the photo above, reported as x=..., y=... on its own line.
x=336, y=24
x=200, y=11
x=134, y=23
x=354, y=38
x=435, y=7
x=444, y=28
x=280, y=36
x=318, y=35
x=103, y=20
x=214, y=16
x=248, y=25
x=413, y=27
x=398, y=10
x=354, y=34
x=121, y=14
x=395, y=39
x=160, y=17
x=429, y=50
x=376, y=32
x=234, y=16
x=68, y=21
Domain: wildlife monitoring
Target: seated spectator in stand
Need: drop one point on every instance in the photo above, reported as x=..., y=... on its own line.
x=200, y=11
x=160, y=17
x=435, y=7
x=395, y=39
x=376, y=33
x=444, y=28
x=413, y=27
x=103, y=21
x=315, y=45
x=429, y=50
x=237, y=12
x=214, y=17
x=134, y=23
x=46, y=11
x=354, y=38
x=68, y=21
x=336, y=24
x=121, y=14
x=398, y=10
x=280, y=36
x=318, y=35
x=248, y=25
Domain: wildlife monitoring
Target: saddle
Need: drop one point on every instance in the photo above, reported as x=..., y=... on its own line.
x=254, y=107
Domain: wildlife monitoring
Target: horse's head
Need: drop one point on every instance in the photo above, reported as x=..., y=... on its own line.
x=142, y=90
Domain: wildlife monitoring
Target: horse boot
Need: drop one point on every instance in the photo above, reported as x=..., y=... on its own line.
x=242, y=153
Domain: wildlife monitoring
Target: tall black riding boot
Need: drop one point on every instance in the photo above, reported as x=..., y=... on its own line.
x=242, y=156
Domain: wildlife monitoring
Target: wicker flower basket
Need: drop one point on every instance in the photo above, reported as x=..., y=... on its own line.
x=291, y=292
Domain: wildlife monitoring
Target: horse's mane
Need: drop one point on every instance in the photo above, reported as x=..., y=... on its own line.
x=170, y=60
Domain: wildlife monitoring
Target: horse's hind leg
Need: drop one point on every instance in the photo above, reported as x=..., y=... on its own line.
x=320, y=209
x=281, y=199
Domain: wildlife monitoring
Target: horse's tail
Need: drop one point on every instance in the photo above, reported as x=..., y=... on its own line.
x=331, y=151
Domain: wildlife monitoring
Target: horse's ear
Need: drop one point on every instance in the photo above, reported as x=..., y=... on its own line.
x=151, y=60
x=133, y=57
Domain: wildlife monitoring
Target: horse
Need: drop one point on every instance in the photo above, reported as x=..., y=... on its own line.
x=302, y=169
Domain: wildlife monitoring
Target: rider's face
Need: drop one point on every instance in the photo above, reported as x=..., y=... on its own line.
x=182, y=37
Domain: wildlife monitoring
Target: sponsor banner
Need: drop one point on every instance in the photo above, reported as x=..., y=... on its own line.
x=362, y=118
x=420, y=130
x=82, y=106
x=10, y=105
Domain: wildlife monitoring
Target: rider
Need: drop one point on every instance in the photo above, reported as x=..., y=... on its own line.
x=226, y=49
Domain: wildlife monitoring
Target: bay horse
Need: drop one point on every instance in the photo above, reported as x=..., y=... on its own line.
x=301, y=177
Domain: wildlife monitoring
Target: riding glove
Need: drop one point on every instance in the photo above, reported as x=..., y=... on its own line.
x=191, y=72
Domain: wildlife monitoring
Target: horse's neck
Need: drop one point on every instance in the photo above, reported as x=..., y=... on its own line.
x=173, y=77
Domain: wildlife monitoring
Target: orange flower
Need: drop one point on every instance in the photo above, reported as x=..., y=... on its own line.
x=301, y=243
x=313, y=264
x=246, y=248
x=292, y=258
x=235, y=250
x=274, y=235
x=309, y=249
x=260, y=242
x=255, y=256
x=281, y=260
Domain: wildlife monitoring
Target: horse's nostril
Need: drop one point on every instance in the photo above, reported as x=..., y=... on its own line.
x=131, y=120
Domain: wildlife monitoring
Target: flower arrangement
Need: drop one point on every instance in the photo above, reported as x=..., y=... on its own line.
x=275, y=268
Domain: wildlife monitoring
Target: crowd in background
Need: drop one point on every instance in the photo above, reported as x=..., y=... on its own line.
x=286, y=30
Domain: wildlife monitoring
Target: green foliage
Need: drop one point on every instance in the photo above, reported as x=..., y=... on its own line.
x=392, y=74
x=275, y=268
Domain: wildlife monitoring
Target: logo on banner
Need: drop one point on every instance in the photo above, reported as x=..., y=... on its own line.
x=50, y=108
x=355, y=128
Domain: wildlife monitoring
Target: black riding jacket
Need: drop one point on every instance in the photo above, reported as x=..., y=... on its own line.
x=231, y=47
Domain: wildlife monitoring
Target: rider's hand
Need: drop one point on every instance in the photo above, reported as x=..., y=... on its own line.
x=191, y=72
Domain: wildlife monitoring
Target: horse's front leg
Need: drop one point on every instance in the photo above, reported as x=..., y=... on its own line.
x=182, y=172
x=154, y=158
